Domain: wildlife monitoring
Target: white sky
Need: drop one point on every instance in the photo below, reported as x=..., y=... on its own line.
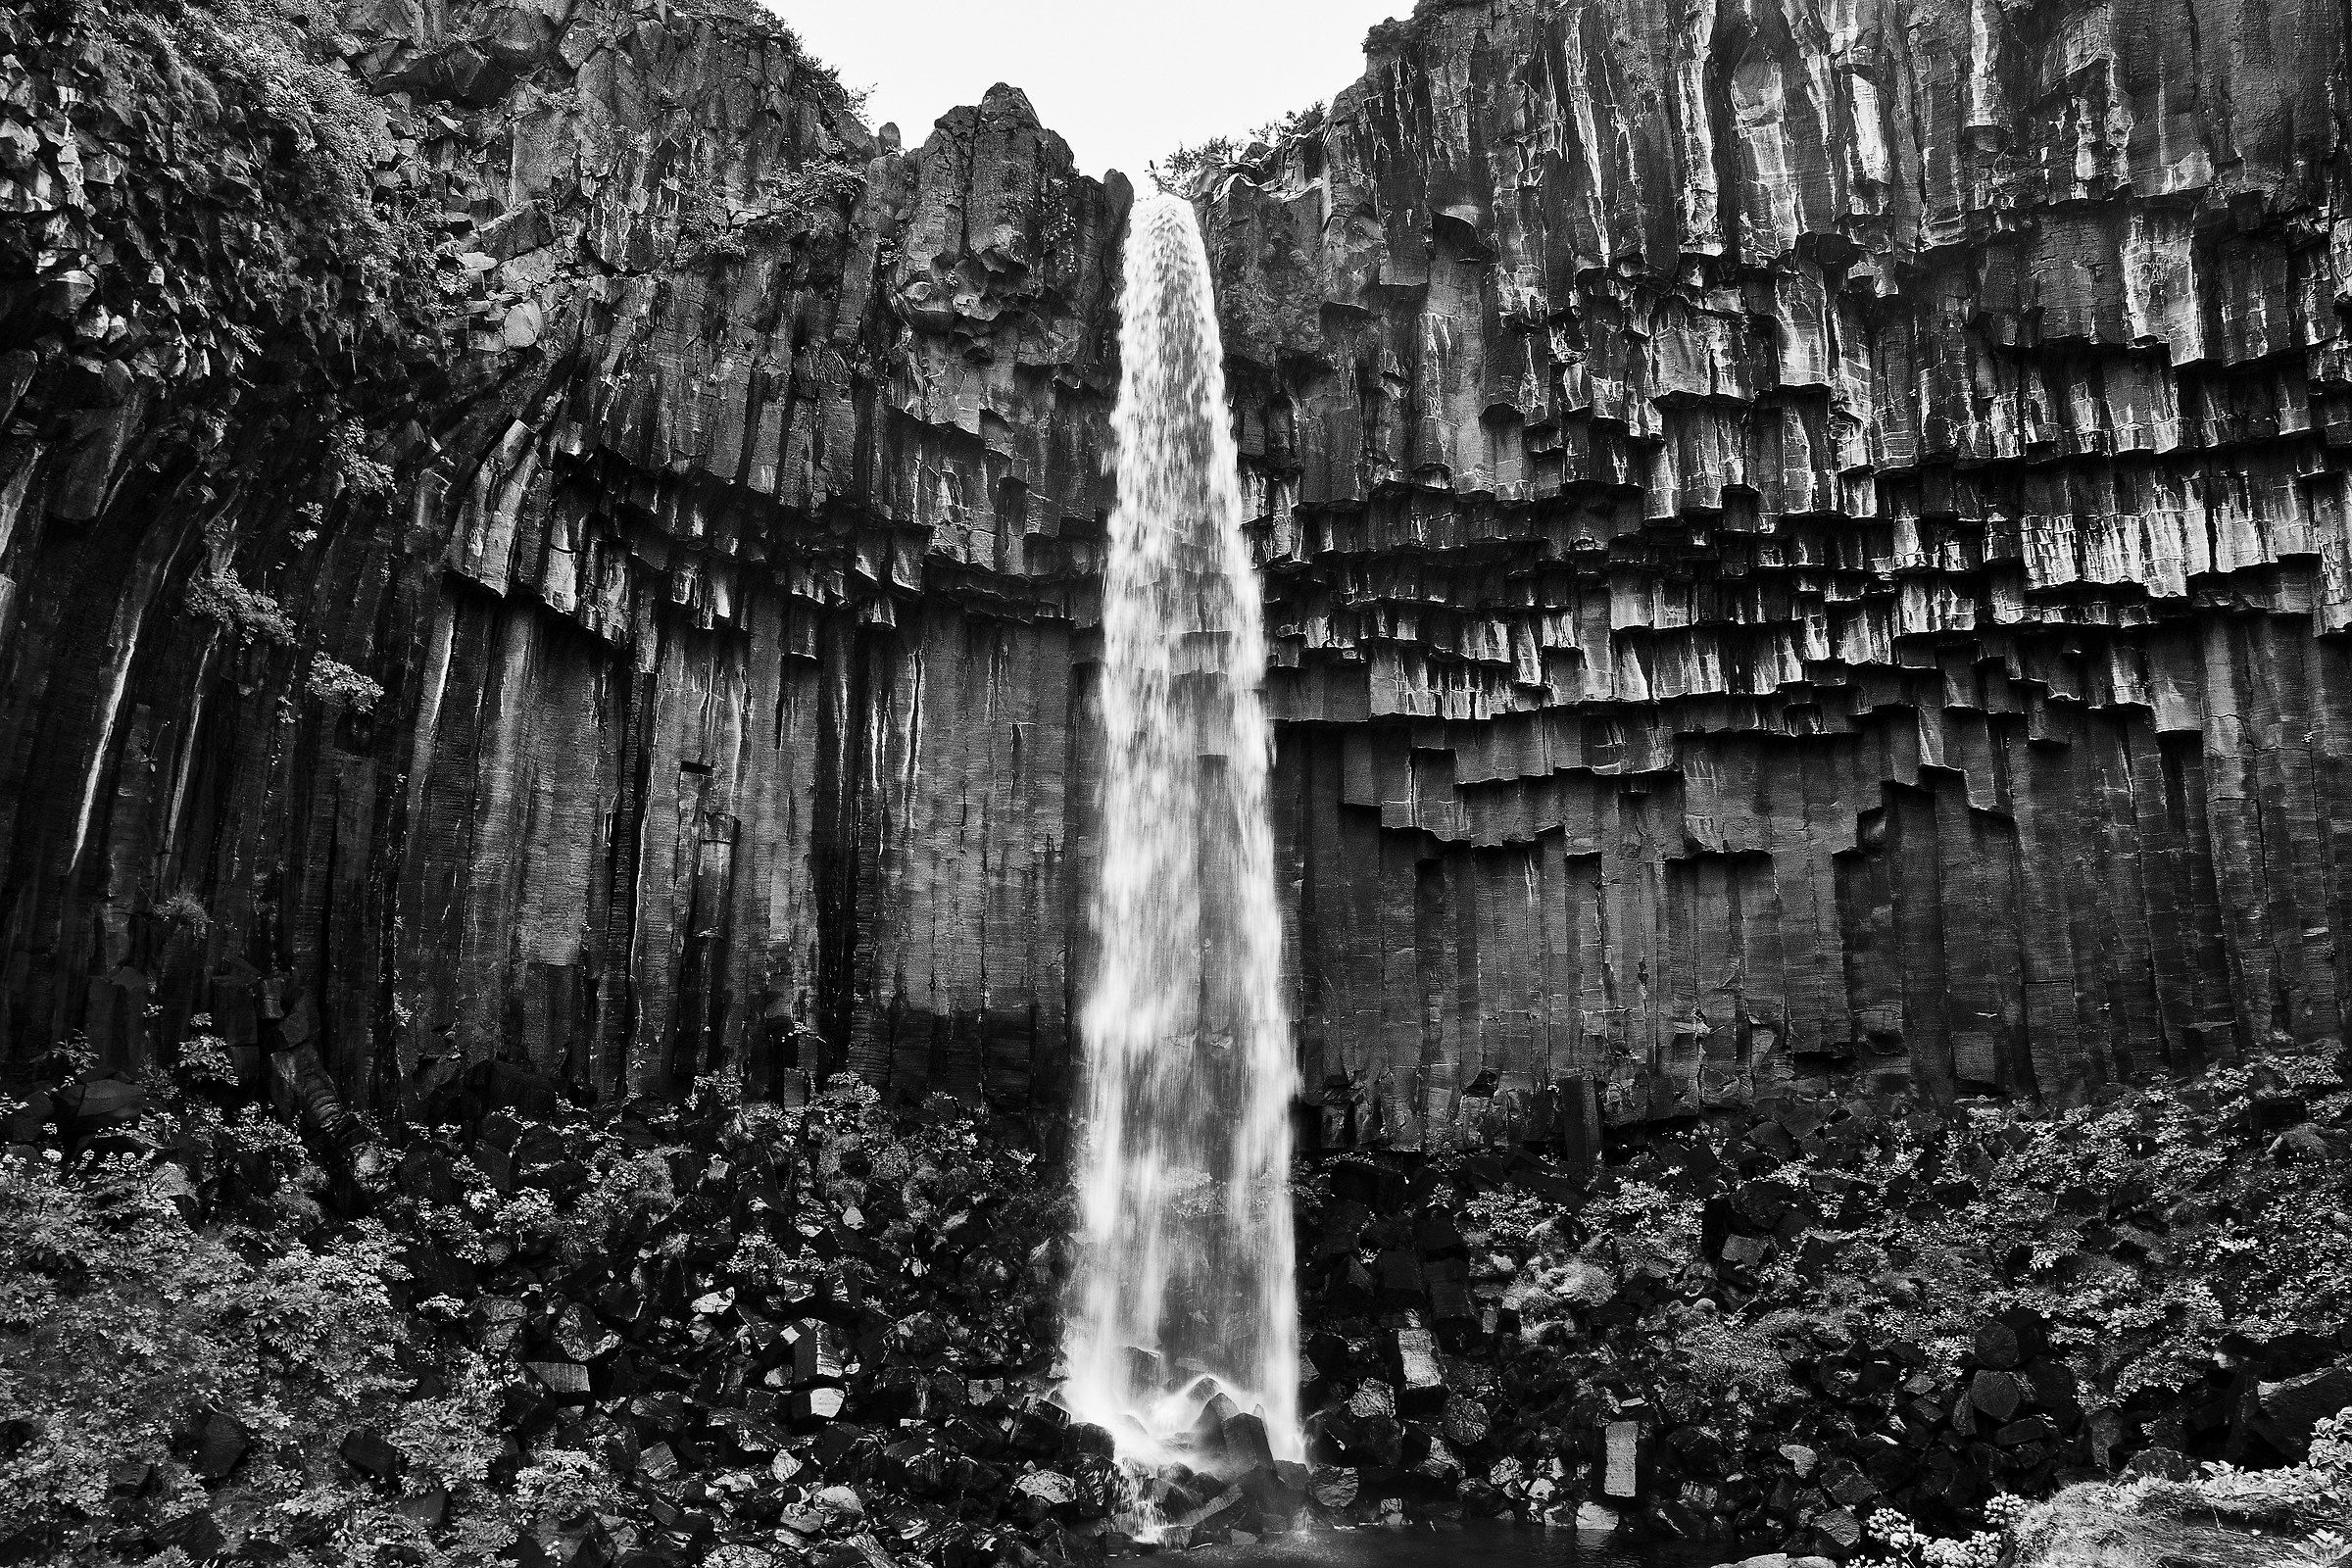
x=1124, y=81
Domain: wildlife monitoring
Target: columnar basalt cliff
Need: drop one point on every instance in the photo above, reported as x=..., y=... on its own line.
x=711, y=489
x=1798, y=540
x=1808, y=536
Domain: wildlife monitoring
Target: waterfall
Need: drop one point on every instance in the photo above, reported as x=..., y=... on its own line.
x=1183, y=1289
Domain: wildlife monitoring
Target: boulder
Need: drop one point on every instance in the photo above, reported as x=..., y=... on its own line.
x=2162, y=1464
x=1436, y=1235
x=1996, y=1345
x=1465, y=1423
x=1245, y=1443
x=100, y=1105
x=1042, y=1492
x=1439, y=1464
x=566, y=1381
x=845, y=1502
x=1745, y=1252
x=221, y=1445
x=2285, y=1412
x=196, y=1532
x=1423, y=1382
x=367, y=1450
x=1377, y=1440
x=1333, y=1487
x=1400, y=1281
x=1622, y=1449
x=1839, y=1530
x=1997, y=1394
x=581, y=1336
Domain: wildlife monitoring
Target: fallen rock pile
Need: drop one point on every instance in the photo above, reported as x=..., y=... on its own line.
x=1772, y=1326
x=746, y=1333
x=821, y=1330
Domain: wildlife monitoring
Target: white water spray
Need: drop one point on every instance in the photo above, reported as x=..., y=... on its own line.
x=1184, y=1287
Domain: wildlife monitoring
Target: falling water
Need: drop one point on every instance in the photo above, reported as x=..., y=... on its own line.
x=1183, y=1287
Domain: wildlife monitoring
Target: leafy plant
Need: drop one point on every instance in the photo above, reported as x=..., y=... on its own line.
x=348, y=462
x=124, y=1329
x=339, y=685
x=216, y=595
x=1176, y=173
x=1898, y=1542
x=183, y=907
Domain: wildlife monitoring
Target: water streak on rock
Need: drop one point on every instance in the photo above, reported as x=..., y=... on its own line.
x=1183, y=1287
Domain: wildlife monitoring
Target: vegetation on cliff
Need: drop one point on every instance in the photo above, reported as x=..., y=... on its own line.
x=213, y=233
x=1183, y=168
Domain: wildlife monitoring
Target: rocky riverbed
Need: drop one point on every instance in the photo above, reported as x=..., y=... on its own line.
x=734, y=1331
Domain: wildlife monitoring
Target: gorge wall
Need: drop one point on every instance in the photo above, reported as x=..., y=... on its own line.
x=728, y=483
x=1801, y=541
x=1810, y=533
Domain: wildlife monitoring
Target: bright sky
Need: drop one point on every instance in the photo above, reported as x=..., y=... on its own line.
x=1124, y=81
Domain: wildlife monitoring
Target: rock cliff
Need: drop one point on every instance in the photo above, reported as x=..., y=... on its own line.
x=622, y=620
x=1800, y=541
x=1808, y=535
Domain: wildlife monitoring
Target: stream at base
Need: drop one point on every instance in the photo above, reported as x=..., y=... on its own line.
x=1482, y=1544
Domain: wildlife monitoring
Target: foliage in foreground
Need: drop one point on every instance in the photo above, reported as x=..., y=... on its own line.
x=1825, y=1308
x=2295, y=1517
x=2166, y=1235
x=556, y=1336
x=556, y=1332
x=144, y=1356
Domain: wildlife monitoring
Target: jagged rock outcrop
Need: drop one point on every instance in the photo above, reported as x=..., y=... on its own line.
x=1798, y=540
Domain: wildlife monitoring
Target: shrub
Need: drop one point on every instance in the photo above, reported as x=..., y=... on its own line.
x=348, y=462
x=218, y=595
x=1514, y=1221
x=1176, y=173
x=338, y=685
x=204, y=1061
x=123, y=1328
x=183, y=907
x=265, y=63
x=1725, y=1357
x=793, y=201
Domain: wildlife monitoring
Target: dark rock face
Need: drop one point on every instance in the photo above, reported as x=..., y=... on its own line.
x=1805, y=534
x=747, y=473
x=1794, y=540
